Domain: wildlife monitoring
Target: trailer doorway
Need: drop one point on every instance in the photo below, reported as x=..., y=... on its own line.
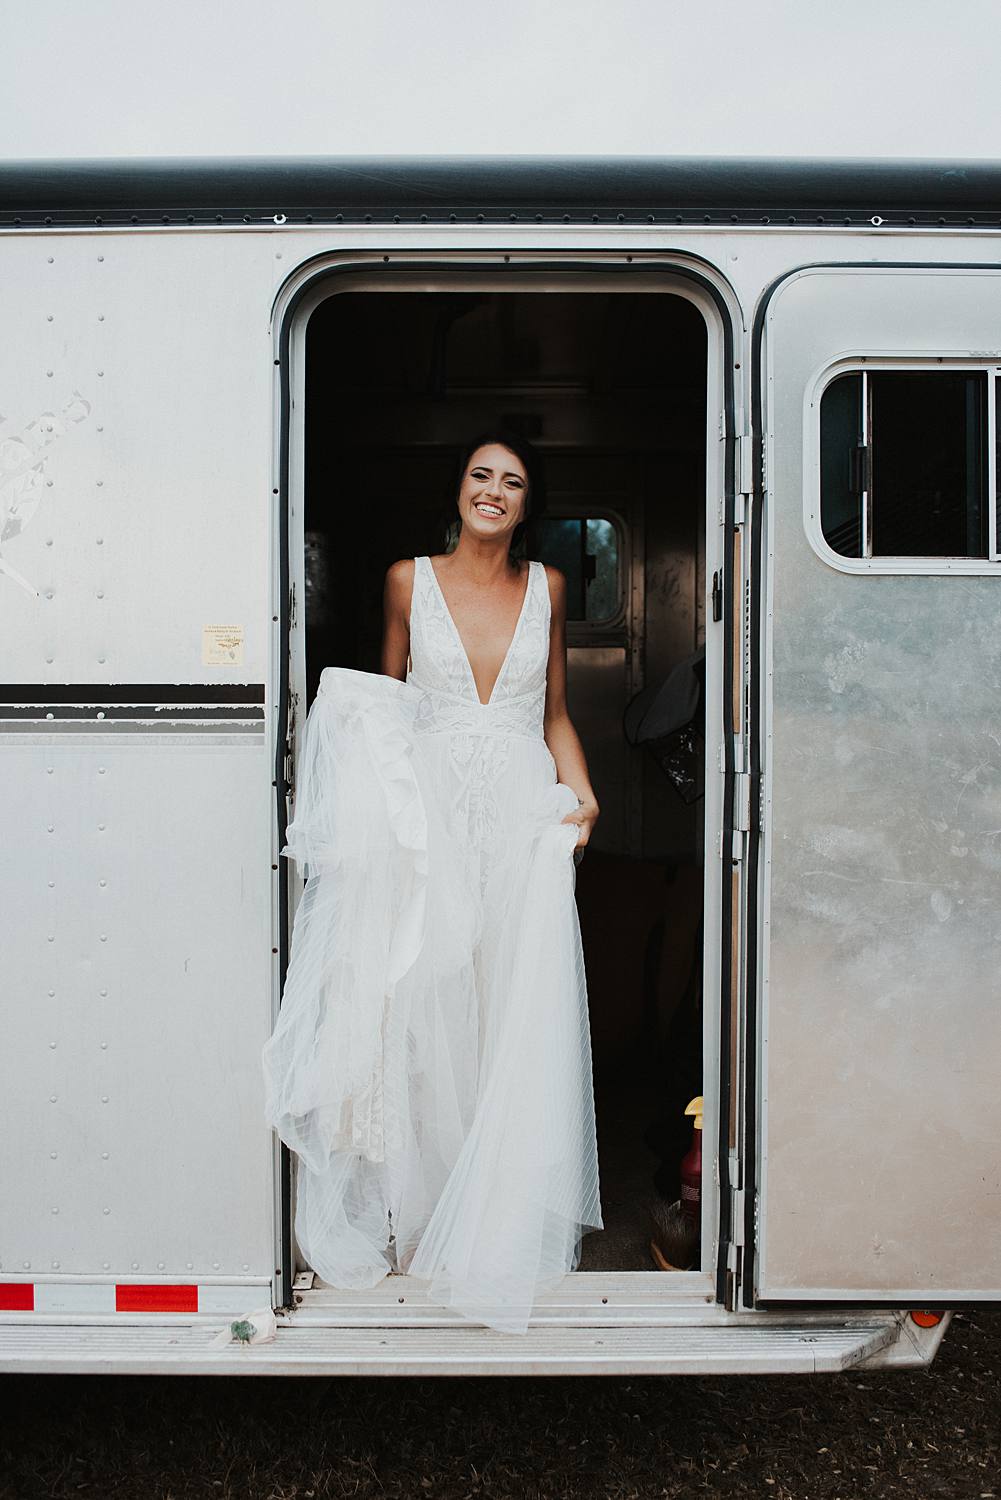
x=612, y=387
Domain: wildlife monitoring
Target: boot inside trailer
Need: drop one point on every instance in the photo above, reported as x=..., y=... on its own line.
x=611, y=386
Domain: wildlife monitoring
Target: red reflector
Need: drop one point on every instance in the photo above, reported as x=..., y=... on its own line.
x=17, y=1296
x=926, y=1319
x=130, y=1297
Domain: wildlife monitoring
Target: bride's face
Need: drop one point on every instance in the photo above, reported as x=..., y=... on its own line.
x=493, y=492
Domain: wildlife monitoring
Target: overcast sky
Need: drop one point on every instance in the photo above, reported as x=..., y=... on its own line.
x=729, y=77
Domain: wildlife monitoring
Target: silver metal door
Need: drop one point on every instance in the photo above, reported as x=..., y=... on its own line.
x=878, y=1169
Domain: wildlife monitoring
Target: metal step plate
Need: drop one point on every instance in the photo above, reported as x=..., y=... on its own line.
x=311, y=1349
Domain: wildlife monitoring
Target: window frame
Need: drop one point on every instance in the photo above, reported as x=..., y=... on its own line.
x=562, y=507
x=863, y=364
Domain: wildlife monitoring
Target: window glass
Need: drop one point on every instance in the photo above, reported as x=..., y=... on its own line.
x=586, y=550
x=602, y=545
x=903, y=463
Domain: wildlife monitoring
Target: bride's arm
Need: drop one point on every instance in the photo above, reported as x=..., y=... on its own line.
x=561, y=736
x=396, y=597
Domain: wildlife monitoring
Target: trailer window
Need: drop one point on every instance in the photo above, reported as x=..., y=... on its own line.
x=586, y=549
x=905, y=464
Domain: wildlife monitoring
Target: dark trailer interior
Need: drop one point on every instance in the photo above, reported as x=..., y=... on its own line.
x=611, y=387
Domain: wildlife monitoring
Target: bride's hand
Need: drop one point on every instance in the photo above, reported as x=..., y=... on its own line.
x=585, y=817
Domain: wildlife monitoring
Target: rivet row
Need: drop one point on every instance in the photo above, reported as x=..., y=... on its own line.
x=161, y=1265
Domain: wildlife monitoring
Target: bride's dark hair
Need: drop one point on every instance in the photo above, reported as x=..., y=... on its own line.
x=524, y=540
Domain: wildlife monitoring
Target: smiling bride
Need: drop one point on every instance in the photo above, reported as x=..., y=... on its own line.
x=431, y=1062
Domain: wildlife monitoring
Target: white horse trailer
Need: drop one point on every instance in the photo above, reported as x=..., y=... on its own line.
x=771, y=389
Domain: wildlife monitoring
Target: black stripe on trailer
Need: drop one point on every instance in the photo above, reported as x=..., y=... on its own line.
x=692, y=190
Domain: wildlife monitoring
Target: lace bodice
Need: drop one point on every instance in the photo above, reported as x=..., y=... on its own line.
x=440, y=667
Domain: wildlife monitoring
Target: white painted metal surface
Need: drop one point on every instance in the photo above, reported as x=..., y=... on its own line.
x=881, y=1030
x=152, y=488
x=135, y=444
x=137, y=956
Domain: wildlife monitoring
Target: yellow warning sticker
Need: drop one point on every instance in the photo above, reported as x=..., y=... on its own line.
x=222, y=645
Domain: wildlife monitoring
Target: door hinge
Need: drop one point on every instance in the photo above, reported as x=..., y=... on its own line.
x=745, y=464
x=741, y=813
x=737, y=1216
x=739, y=510
x=742, y=802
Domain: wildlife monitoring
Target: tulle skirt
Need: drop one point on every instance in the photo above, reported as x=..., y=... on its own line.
x=431, y=1063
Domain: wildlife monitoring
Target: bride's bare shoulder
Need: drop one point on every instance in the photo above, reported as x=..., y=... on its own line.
x=557, y=584
x=400, y=580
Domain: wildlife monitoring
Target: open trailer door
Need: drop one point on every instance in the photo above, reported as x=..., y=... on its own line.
x=878, y=1006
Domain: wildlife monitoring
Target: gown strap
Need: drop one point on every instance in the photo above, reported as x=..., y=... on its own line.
x=415, y=606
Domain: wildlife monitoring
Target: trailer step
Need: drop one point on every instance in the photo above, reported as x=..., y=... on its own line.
x=309, y=1349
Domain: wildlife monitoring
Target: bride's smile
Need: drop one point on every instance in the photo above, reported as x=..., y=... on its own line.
x=493, y=490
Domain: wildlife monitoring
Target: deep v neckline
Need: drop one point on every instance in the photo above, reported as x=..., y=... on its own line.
x=465, y=654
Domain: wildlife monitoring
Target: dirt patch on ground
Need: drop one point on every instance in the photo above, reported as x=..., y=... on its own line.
x=925, y=1434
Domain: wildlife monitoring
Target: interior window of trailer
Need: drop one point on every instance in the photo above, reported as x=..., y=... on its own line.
x=904, y=463
x=585, y=549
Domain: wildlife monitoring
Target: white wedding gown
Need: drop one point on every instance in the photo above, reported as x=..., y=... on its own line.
x=431, y=1063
